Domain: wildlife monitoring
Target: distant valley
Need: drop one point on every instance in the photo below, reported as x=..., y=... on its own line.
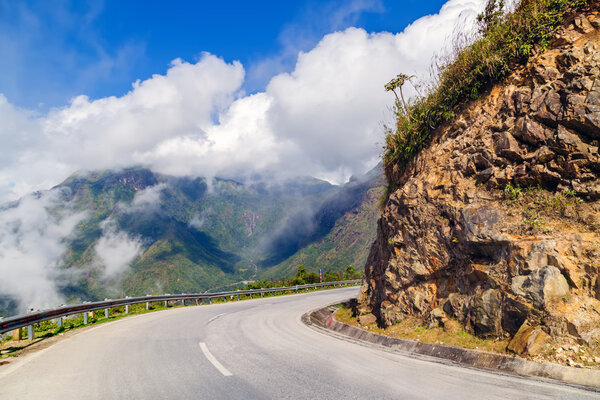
x=140, y=232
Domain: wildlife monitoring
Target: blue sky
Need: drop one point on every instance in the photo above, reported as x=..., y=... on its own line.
x=55, y=50
x=215, y=89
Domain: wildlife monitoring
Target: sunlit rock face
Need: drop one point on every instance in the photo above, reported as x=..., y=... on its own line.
x=496, y=223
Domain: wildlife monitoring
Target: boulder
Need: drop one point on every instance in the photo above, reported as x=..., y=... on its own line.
x=367, y=319
x=541, y=286
x=529, y=341
x=486, y=313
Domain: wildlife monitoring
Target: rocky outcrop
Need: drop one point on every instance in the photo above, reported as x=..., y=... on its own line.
x=461, y=237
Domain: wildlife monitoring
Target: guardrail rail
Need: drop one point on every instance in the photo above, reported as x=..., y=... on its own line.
x=29, y=319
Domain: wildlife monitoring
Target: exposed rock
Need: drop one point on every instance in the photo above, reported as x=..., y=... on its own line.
x=506, y=146
x=529, y=341
x=531, y=132
x=583, y=25
x=541, y=286
x=486, y=313
x=451, y=247
x=367, y=319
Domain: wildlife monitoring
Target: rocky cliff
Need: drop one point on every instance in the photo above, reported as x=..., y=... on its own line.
x=496, y=224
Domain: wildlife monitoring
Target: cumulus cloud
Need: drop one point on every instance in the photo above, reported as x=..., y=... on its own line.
x=323, y=119
x=33, y=236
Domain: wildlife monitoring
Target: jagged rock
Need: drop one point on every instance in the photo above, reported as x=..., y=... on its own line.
x=541, y=286
x=569, y=58
x=506, y=146
x=485, y=314
x=531, y=132
x=529, y=341
x=480, y=225
x=455, y=306
x=437, y=316
x=583, y=25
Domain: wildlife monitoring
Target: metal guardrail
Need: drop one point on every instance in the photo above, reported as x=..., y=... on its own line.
x=20, y=321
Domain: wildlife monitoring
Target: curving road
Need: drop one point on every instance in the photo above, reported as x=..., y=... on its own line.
x=254, y=349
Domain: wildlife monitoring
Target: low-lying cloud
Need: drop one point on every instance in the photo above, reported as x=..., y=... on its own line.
x=323, y=119
x=33, y=239
x=115, y=251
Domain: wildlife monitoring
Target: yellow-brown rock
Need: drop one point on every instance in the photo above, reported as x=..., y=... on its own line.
x=529, y=341
x=456, y=235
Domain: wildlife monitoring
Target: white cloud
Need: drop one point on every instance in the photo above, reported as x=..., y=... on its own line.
x=324, y=118
x=32, y=241
x=146, y=200
x=116, y=251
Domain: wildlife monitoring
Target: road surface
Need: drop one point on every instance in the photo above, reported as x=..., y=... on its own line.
x=255, y=349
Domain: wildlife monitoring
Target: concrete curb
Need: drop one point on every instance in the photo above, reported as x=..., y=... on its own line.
x=323, y=318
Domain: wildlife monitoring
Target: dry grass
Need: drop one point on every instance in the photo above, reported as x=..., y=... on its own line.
x=413, y=329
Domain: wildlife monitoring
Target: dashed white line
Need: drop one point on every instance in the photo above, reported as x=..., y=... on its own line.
x=214, y=361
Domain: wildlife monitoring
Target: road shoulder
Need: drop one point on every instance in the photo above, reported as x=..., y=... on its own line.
x=322, y=319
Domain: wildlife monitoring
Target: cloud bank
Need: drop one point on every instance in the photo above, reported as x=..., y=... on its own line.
x=33, y=236
x=323, y=119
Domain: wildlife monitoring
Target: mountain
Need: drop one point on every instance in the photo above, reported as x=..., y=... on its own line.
x=143, y=232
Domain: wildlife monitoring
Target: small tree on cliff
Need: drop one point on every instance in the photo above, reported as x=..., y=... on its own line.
x=397, y=83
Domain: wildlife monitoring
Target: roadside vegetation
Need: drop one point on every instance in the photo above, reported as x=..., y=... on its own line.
x=504, y=41
x=304, y=277
x=413, y=328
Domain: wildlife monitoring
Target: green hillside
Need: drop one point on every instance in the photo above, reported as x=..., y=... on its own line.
x=193, y=237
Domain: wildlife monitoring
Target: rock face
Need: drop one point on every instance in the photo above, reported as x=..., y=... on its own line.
x=456, y=236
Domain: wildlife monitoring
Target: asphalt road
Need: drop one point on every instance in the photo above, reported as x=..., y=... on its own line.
x=255, y=349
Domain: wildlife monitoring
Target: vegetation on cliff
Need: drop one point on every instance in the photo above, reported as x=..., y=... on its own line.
x=506, y=40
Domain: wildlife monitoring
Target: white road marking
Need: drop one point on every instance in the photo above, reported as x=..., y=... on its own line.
x=215, y=317
x=214, y=361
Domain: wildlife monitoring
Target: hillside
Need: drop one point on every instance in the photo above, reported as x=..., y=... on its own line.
x=494, y=222
x=144, y=232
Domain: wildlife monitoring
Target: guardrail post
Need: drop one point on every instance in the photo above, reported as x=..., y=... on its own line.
x=30, y=332
x=296, y=288
x=126, y=308
x=196, y=301
x=147, y=305
x=85, y=318
x=17, y=334
x=238, y=297
x=59, y=322
x=209, y=300
x=166, y=303
x=106, y=313
x=262, y=294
